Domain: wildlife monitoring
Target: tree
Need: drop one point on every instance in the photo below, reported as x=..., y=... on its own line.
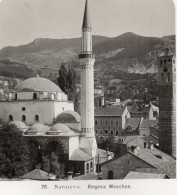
x=67, y=83
x=14, y=152
x=50, y=164
x=107, y=144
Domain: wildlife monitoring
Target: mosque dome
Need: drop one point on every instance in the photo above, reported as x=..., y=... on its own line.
x=58, y=128
x=37, y=129
x=38, y=84
x=20, y=125
x=68, y=116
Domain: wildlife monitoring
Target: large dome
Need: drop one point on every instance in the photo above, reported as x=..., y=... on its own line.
x=69, y=116
x=38, y=84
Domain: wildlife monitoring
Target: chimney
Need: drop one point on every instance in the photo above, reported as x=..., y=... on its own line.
x=70, y=173
x=134, y=150
x=151, y=145
x=77, y=174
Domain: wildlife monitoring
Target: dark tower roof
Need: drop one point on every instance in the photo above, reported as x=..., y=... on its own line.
x=86, y=21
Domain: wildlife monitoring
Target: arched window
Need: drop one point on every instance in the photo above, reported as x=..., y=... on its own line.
x=34, y=96
x=96, y=123
x=87, y=167
x=168, y=77
x=106, y=122
x=91, y=167
x=36, y=117
x=23, y=118
x=10, y=118
x=110, y=174
x=162, y=77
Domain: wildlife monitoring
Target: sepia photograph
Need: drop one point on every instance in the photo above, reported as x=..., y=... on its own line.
x=87, y=94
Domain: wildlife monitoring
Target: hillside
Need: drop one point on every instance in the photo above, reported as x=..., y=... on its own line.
x=129, y=52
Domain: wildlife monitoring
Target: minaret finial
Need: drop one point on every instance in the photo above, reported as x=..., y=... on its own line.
x=86, y=21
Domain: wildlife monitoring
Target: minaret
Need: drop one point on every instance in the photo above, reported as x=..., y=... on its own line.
x=87, y=60
x=167, y=103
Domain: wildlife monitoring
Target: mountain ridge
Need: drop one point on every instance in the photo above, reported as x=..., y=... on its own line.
x=129, y=52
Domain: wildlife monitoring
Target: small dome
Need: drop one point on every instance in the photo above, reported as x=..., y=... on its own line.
x=20, y=125
x=69, y=116
x=58, y=128
x=38, y=84
x=37, y=129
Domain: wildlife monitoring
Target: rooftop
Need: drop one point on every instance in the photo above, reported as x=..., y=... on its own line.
x=132, y=122
x=38, y=84
x=88, y=176
x=80, y=155
x=38, y=174
x=141, y=175
x=69, y=116
x=104, y=111
x=146, y=123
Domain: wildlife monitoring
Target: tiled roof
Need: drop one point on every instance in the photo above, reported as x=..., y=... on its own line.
x=133, y=122
x=138, y=110
x=88, y=176
x=80, y=155
x=146, y=123
x=141, y=175
x=38, y=174
x=104, y=111
x=170, y=170
x=103, y=155
x=160, y=160
x=151, y=138
x=128, y=139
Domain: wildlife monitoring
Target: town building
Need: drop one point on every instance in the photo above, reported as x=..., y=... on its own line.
x=110, y=121
x=167, y=102
x=147, y=159
x=151, y=111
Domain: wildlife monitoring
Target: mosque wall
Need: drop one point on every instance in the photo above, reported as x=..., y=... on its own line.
x=73, y=144
x=62, y=106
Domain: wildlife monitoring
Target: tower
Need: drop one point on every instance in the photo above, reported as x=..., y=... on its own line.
x=167, y=103
x=87, y=60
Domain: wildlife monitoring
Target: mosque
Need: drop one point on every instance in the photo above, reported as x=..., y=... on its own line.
x=42, y=111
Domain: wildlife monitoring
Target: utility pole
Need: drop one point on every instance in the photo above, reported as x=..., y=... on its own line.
x=98, y=166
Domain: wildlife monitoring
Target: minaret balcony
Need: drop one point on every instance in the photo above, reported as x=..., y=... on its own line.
x=86, y=55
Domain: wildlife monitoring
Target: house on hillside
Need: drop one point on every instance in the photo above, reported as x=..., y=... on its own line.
x=150, y=112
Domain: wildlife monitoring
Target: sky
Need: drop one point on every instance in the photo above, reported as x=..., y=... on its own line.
x=22, y=21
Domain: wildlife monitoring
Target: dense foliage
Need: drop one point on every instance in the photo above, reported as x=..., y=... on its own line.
x=67, y=83
x=14, y=152
x=51, y=164
x=135, y=86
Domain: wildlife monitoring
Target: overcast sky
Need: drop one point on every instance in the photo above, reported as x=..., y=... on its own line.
x=22, y=21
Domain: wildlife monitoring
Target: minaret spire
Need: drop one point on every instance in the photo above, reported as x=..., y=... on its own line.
x=86, y=21
x=86, y=32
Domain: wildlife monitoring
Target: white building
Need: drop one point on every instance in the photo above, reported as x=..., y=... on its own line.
x=34, y=100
